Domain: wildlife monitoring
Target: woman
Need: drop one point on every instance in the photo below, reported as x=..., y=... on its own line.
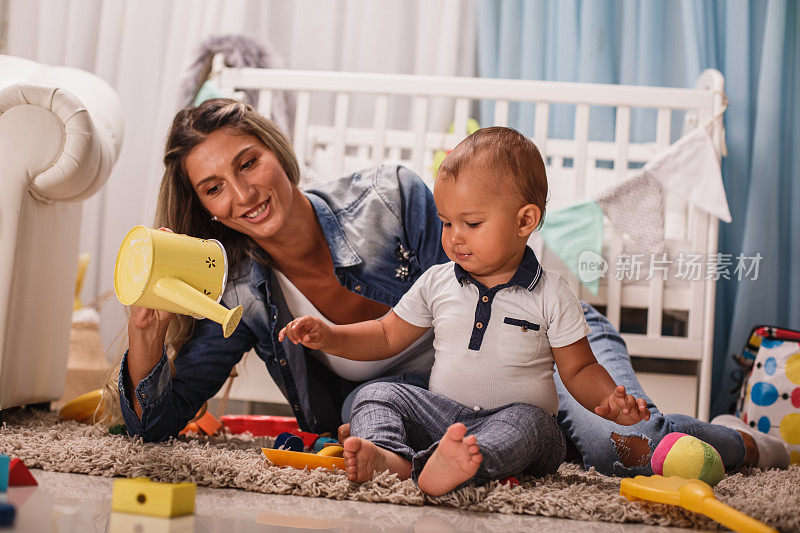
x=346, y=252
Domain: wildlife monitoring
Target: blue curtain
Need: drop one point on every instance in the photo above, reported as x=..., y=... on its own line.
x=755, y=46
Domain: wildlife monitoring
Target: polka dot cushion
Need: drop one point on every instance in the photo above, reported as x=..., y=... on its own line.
x=771, y=401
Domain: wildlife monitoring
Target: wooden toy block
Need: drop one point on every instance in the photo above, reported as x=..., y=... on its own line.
x=191, y=427
x=4, y=462
x=308, y=438
x=208, y=423
x=302, y=460
x=322, y=441
x=287, y=441
x=142, y=496
x=19, y=475
x=7, y=514
x=260, y=425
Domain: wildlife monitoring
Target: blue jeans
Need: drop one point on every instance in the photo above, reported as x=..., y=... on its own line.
x=410, y=421
x=602, y=443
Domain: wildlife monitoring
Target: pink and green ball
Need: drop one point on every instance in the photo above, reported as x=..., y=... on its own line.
x=682, y=455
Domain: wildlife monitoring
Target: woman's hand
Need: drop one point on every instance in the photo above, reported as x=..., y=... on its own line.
x=308, y=331
x=623, y=408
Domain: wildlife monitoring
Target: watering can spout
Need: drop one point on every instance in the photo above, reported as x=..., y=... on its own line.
x=196, y=303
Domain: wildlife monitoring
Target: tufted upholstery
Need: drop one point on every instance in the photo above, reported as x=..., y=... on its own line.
x=60, y=134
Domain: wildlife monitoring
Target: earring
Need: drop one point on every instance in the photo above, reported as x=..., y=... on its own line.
x=214, y=218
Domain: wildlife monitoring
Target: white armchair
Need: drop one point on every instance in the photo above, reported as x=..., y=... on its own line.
x=60, y=133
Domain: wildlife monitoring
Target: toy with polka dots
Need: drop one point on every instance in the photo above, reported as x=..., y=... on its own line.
x=770, y=398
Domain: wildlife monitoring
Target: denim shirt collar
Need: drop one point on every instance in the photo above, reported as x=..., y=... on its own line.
x=527, y=275
x=343, y=254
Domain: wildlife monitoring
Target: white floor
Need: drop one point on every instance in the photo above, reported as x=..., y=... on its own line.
x=75, y=503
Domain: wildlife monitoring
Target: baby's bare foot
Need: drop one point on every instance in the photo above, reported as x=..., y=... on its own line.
x=362, y=458
x=455, y=460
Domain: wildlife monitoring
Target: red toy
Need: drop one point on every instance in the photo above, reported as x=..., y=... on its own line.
x=19, y=475
x=261, y=425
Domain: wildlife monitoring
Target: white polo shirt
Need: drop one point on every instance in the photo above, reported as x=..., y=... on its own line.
x=492, y=345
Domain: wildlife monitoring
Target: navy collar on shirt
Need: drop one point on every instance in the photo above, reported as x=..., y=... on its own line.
x=527, y=275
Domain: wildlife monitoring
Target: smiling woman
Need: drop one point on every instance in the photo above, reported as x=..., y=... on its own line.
x=231, y=175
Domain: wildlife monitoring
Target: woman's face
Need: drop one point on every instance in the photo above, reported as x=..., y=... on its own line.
x=241, y=182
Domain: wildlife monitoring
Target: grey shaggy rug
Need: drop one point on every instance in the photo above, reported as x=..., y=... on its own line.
x=43, y=441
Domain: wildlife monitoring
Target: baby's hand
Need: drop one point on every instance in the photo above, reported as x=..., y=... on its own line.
x=306, y=330
x=623, y=408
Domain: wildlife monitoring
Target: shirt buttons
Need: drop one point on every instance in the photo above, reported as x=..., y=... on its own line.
x=358, y=288
x=476, y=408
x=282, y=362
x=524, y=328
x=479, y=325
x=296, y=407
x=485, y=299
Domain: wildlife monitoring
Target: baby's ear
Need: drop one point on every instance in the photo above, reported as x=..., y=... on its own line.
x=528, y=218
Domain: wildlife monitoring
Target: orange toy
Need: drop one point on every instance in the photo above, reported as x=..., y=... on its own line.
x=302, y=460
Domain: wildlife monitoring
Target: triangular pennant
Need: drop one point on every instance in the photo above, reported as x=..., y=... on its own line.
x=635, y=207
x=19, y=475
x=570, y=231
x=690, y=169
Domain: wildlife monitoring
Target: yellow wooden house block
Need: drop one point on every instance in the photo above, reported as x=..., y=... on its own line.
x=142, y=496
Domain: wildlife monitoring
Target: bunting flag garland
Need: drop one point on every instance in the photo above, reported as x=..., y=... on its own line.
x=635, y=206
x=690, y=169
x=570, y=231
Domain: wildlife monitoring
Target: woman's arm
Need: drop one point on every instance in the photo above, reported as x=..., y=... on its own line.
x=147, y=332
x=589, y=383
x=168, y=401
x=372, y=340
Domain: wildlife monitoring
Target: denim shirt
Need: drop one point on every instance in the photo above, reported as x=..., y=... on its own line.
x=383, y=231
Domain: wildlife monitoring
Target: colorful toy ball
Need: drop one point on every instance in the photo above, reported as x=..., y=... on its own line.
x=682, y=455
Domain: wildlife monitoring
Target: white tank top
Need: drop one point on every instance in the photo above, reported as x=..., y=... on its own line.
x=416, y=359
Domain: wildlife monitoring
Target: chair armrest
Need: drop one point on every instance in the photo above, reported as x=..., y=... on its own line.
x=63, y=129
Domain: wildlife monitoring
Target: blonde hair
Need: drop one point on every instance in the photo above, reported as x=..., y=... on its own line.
x=507, y=154
x=178, y=206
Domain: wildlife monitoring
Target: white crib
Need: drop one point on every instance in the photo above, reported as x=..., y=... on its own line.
x=346, y=121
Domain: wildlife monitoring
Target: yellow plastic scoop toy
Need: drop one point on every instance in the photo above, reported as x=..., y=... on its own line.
x=691, y=494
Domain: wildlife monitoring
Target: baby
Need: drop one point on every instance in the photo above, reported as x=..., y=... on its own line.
x=500, y=322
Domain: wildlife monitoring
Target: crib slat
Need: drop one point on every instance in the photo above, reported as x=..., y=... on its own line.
x=541, y=124
x=655, y=309
x=342, y=111
x=501, y=113
x=622, y=138
x=581, y=142
x=379, y=127
x=265, y=103
x=420, y=122
x=460, y=118
x=302, y=105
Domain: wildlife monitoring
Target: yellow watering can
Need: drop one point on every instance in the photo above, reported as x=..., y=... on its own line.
x=176, y=273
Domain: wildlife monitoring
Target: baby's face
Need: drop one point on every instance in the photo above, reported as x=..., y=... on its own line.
x=480, y=225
